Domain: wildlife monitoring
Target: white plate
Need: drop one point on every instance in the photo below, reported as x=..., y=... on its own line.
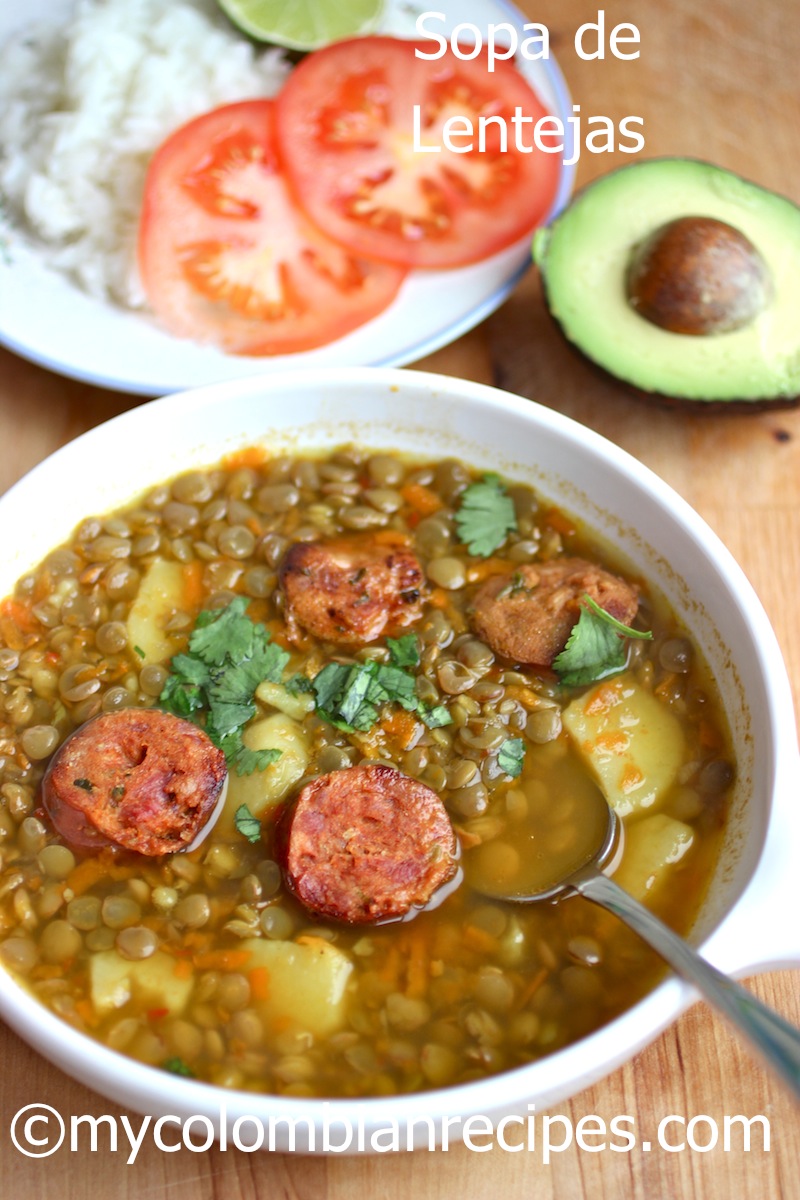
x=46, y=318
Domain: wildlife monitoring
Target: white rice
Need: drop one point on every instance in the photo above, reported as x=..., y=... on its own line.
x=83, y=107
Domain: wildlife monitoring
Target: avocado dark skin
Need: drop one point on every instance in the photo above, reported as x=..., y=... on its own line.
x=681, y=281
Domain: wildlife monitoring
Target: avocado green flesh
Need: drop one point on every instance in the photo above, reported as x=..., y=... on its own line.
x=584, y=255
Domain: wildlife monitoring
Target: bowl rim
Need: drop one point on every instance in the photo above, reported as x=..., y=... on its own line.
x=150, y=1089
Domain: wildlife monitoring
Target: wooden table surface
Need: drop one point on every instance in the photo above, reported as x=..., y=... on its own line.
x=717, y=81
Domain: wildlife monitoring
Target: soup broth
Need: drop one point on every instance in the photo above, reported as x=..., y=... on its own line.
x=207, y=962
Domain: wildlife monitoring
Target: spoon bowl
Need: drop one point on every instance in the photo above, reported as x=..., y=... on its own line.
x=777, y=1041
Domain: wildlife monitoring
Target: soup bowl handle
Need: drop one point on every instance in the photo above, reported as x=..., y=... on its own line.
x=761, y=933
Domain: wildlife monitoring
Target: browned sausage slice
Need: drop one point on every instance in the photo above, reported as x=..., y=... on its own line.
x=367, y=844
x=351, y=589
x=528, y=615
x=139, y=778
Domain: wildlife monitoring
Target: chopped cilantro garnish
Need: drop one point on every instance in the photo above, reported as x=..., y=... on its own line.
x=85, y=784
x=348, y=695
x=485, y=516
x=177, y=1067
x=243, y=760
x=435, y=717
x=297, y=684
x=140, y=651
x=404, y=651
x=513, y=587
x=227, y=658
x=511, y=756
x=247, y=825
x=595, y=647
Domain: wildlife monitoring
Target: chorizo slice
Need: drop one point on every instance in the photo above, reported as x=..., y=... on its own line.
x=351, y=589
x=137, y=778
x=528, y=615
x=367, y=843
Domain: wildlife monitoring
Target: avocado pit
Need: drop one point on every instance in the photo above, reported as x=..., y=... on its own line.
x=698, y=276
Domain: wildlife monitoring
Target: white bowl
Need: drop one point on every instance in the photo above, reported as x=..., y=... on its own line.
x=743, y=926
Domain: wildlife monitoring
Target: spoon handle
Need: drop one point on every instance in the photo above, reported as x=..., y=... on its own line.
x=778, y=1041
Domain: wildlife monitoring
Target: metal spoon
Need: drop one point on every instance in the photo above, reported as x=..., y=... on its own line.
x=775, y=1038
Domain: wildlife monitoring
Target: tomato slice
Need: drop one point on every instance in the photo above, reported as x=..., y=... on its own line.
x=227, y=257
x=346, y=135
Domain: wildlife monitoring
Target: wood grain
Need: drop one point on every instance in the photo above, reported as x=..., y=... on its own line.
x=718, y=83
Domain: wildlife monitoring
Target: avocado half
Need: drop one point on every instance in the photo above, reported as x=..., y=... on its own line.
x=585, y=258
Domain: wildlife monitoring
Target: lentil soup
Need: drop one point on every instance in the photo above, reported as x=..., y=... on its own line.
x=397, y=583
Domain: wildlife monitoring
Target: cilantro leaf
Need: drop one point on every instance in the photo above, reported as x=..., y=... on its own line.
x=485, y=516
x=328, y=683
x=247, y=761
x=246, y=824
x=595, y=648
x=349, y=695
x=189, y=670
x=225, y=719
x=228, y=657
x=354, y=696
x=226, y=634
x=404, y=651
x=435, y=717
x=181, y=698
x=176, y=1066
x=298, y=684
x=392, y=683
x=511, y=756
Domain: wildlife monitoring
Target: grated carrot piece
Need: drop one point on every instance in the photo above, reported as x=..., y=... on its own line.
x=709, y=735
x=193, y=592
x=92, y=870
x=477, y=572
x=371, y=743
x=259, y=983
x=664, y=688
x=390, y=537
x=419, y=962
x=559, y=521
x=18, y=616
x=525, y=695
x=439, y=598
x=421, y=498
x=479, y=940
x=86, y=1012
x=251, y=456
x=82, y=876
x=401, y=726
x=532, y=988
x=222, y=960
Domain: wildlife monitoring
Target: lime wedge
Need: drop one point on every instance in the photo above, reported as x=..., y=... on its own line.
x=303, y=24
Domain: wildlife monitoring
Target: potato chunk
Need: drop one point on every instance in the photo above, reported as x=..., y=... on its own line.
x=303, y=984
x=653, y=846
x=630, y=741
x=264, y=789
x=152, y=982
x=160, y=593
